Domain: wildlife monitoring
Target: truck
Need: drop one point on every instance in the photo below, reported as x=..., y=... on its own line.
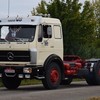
x=32, y=48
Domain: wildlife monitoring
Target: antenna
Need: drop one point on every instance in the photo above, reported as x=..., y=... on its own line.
x=8, y=7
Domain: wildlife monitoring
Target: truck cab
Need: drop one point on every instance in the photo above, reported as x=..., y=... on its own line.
x=33, y=38
x=29, y=47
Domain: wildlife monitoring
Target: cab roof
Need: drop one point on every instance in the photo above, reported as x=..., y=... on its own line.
x=33, y=20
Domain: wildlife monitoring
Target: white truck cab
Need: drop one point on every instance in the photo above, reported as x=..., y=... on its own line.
x=31, y=47
x=39, y=36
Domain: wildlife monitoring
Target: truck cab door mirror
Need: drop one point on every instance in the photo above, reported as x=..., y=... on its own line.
x=49, y=31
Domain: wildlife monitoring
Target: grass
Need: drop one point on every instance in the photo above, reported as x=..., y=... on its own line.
x=30, y=82
x=78, y=79
x=95, y=98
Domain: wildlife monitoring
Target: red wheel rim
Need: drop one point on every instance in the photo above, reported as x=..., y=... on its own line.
x=54, y=76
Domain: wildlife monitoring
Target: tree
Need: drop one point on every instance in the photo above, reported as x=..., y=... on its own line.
x=72, y=25
x=96, y=5
x=41, y=8
x=87, y=30
x=56, y=8
x=88, y=22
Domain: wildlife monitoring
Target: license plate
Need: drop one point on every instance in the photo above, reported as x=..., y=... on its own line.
x=9, y=70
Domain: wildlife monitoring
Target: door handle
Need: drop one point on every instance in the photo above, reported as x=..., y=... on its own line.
x=51, y=46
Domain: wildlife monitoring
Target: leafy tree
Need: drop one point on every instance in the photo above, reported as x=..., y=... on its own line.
x=41, y=8
x=87, y=30
x=88, y=22
x=56, y=8
x=96, y=5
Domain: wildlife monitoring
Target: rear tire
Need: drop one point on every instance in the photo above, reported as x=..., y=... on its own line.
x=93, y=78
x=90, y=79
x=11, y=83
x=97, y=73
x=52, y=76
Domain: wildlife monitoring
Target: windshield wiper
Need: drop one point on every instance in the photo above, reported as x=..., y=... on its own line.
x=21, y=39
x=4, y=39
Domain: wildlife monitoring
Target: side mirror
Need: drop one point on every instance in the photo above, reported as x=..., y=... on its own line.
x=49, y=31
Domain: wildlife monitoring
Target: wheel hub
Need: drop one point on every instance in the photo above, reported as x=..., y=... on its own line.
x=54, y=76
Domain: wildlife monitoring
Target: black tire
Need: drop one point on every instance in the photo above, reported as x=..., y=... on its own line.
x=67, y=82
x=52, y=76
x=11, y=83
x=93, y=78
x=97, y=73
x=90, y=79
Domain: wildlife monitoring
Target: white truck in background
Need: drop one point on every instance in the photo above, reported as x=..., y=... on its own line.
x=32, y=47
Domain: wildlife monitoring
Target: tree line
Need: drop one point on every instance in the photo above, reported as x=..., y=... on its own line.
x=80, y=23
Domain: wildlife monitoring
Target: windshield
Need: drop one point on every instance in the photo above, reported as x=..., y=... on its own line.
x=13, y=33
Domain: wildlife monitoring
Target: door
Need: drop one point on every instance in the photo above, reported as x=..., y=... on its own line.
x=45, y=43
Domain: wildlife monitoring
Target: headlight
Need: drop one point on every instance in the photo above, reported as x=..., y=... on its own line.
x=27, y=70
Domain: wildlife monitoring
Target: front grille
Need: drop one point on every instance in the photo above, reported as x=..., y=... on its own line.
x=17, y=56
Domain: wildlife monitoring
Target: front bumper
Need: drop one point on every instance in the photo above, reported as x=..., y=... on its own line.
x=23, y=72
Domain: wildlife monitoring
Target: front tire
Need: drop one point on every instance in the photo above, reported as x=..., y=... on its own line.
x=52, y=76
x=11, y=83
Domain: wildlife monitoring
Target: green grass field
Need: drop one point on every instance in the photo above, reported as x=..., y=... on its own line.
x=95, y=98
x=30, y=82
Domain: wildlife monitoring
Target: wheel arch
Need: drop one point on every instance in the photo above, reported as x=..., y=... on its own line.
x=58, y=60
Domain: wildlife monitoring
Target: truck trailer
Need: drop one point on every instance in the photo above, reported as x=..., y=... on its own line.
x=32, y=48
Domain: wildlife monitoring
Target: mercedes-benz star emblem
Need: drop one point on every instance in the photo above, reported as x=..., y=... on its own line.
x=10, y=56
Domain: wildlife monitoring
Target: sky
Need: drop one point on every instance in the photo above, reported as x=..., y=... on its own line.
x=19, y=7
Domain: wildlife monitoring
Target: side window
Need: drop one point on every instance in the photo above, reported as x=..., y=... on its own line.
x=47, y=31
x=57, y=32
